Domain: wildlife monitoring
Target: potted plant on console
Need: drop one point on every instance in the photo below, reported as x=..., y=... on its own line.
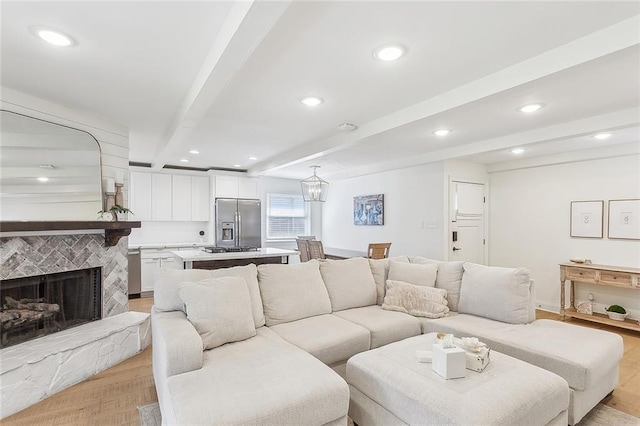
x=616, y=312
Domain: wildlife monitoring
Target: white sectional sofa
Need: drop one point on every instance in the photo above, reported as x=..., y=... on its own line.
x=274, y=351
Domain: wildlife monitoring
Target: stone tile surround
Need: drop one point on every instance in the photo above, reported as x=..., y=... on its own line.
x=45, y=254
x=34, y=370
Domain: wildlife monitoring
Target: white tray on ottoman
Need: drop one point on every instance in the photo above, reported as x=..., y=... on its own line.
x=390, y=387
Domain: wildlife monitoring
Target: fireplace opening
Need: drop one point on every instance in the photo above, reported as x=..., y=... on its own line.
x=36, y=306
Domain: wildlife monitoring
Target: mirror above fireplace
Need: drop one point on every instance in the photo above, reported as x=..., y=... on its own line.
x=47, y=171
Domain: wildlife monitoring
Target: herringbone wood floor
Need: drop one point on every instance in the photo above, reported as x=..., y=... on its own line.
x=111, y=397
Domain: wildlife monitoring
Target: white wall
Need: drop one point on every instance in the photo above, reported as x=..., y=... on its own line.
x=413, y=198
x=113, y=139
x=529, y=224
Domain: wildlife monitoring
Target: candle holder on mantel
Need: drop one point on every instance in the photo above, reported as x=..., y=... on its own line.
x=110, y=200
x=119, y=196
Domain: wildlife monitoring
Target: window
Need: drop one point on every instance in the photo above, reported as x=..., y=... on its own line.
x=287, y=216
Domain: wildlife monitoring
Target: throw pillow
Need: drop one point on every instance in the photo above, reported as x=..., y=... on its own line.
x=497, y=293
x=449, y=277
x=165, y=288
x=349, y=283
x=416, y=300
x=413, y=273
x=219, y=309
x=380, y=271
x=292, y=292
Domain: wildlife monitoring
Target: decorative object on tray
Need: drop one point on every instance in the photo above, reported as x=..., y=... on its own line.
x=585, y=308
x=586, y=219
x=624, y=219
x=476, y=352
x=616, y=312
x=580, y=260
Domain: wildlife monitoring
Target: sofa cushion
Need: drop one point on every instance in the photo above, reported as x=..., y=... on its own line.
x=380, y=271
x=385, y=326
x=327, y=337
x=349, y=283
x=261, y=380
x=219, y=309
x=449, y=278
x=165, y=290
x=416, y=300
x=292, y=292
x=580, y=355
x=497, y=293
x=413, y=273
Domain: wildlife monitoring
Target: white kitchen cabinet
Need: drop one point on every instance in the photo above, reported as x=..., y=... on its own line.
x=161, y=198
x=200, y=198
x=181, y=198
x=140, y=195
x=237, y=187
x=151, y=262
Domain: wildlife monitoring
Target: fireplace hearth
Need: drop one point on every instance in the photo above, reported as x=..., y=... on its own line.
x=35, y=306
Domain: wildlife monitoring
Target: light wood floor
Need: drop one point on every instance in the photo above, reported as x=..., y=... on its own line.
x=112, y=397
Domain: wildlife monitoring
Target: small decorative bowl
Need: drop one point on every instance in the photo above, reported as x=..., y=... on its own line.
x=616, y=316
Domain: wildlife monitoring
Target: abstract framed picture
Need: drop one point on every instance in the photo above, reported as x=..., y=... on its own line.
x=624, y=219
x=586, y=219
x=368, y=210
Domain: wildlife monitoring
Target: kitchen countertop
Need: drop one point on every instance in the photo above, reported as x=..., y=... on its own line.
x=196, y=255
x=168, y=245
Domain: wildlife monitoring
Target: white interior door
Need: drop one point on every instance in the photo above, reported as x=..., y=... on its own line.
x=467, y=219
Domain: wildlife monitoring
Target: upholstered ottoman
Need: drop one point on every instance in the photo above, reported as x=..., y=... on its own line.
x=390, y=387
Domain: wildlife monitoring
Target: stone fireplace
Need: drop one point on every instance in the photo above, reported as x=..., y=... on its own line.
x=34, y=369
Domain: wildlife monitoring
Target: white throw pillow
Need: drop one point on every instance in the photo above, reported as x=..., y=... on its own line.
x=497, y=293
x=349, y=283
x=449, y=277
x=292, y=292
x=416, y=300
x=380, y=271
x=219, y=309
x=165, y=289
x=413, y=273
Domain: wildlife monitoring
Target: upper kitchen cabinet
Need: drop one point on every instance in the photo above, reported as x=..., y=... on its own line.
x=237, y=187
x=140, y=195
x=161, y=199
x=169, y=197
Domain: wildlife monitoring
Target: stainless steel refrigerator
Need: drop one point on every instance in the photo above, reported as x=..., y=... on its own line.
x=238, y=223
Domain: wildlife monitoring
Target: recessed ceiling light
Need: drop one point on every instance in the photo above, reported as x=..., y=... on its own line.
x=442, y=132
x=237, y=165
x=602, y=136
x=388, y=53
x=517, y=150
x=194, y=151
x=531, y=108
x=43, y=179
x=347, y=127
x=253, y=158
x=53, y=37
x=311, y=101
x=184, y=160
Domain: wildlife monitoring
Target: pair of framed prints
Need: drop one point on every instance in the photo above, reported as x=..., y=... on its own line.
x=587, y=219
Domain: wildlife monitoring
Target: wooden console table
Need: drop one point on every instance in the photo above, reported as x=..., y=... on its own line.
x=609, y=276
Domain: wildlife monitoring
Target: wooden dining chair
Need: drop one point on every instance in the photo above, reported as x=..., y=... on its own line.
x=303, y=248
x=316, y=251
x=378, y=250
x=306, y=237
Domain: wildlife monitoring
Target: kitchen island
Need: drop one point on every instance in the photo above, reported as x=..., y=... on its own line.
x=198, y=259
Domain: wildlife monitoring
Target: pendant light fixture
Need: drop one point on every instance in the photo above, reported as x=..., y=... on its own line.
x=314, y=188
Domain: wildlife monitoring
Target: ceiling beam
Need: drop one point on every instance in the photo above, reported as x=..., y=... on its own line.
x=593, y=46
x=244, y=29
x=586, y=126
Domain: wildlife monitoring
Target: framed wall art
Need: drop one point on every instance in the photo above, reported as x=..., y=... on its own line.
x=586, y=219
x=368, y=209
x=624, y=219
